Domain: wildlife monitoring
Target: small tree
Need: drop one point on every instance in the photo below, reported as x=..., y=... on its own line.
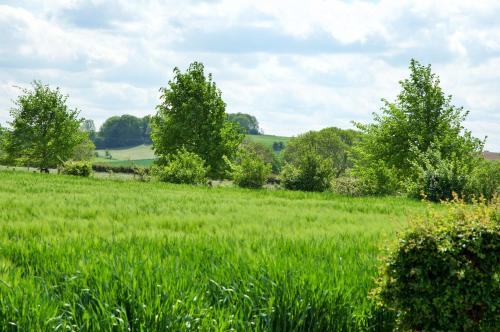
x=192, y=115
x=421, y=119
x=44, y=131
x=331, y=144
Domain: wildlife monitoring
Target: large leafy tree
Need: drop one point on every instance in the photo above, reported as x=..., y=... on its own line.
x=421, y=120
x=192, y=115
x=44, y=131
x=331, y=144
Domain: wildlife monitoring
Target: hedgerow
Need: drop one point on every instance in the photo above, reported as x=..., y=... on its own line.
x=444, y=273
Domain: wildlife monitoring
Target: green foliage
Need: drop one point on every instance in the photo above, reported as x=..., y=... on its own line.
x=278, y=146
x=444, y=273
x=247, y=123
x=78, y=168
x=124, y=131
x=484, y=180
x=249, y=170
x=3, y=140
x=421, y=119
x=44, y=131
x=263, y=152
x=192, y=115
x=378, y=178
x=85, y=150
x=182, y=167
x=331, y=144
x=309, y=173
x=348, y=185
x=439, y=179
x=96, y=254
x=88, y=127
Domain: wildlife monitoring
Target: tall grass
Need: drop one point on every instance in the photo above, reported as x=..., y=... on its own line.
x=93, y=254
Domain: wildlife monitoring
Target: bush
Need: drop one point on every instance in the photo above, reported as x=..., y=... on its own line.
x=443, y=275
x=484, y=180
x=438, y=178
x=250, y=171
x=78, y=168
x=182, y=167
x=377, y=178
x=309, y=173
x=348, y=186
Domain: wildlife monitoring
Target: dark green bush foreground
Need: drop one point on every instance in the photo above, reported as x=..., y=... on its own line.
x=444, y=274
x=101, y=255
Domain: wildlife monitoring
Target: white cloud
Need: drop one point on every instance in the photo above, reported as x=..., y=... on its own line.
x=112, y=56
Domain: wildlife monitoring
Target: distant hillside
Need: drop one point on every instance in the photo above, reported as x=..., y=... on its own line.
x=491, y=155
x=268, y=140
x=143, y=155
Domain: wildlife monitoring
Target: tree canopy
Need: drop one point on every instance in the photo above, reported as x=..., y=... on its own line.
x=44, y=131
x=332, y=144
x=247, y=122
x=192, y=115
x=124, y=131
x=422, y=120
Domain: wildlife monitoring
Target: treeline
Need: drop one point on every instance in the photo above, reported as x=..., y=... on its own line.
x=128, y=130
x=417, y=145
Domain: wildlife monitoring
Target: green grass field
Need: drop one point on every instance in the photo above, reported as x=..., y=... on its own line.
x=143, y=155
x=268, y=140
x=96, y=254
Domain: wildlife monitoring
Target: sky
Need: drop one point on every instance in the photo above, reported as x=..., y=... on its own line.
x=295, y=65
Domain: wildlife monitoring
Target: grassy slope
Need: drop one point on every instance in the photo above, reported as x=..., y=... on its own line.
x=143, y=155
x=95, y=253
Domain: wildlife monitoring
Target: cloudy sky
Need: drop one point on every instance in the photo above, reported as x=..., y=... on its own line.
x=295, y=65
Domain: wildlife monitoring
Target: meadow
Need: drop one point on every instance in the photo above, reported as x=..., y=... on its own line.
x=94, y=254
x=143, y=155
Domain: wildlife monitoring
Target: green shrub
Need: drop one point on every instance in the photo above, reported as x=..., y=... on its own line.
x=484, y=180
x=438, y=178
x=182, y=167
x=78, y=168
x=249, y=170
x=309, y=173
x=444, y=273
x=348, y=186
x=377, y=178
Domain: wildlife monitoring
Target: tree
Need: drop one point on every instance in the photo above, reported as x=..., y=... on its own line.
x=88, y=126
x=332, y=144
x=421, y=119
x=247, y=122
x=85, y=150
x=44, y=131
x=121, y=131
x=192, y=115
x=146, y=130
x=3, y=136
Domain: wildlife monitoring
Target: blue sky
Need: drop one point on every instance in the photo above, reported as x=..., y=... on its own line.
x=295, y=65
